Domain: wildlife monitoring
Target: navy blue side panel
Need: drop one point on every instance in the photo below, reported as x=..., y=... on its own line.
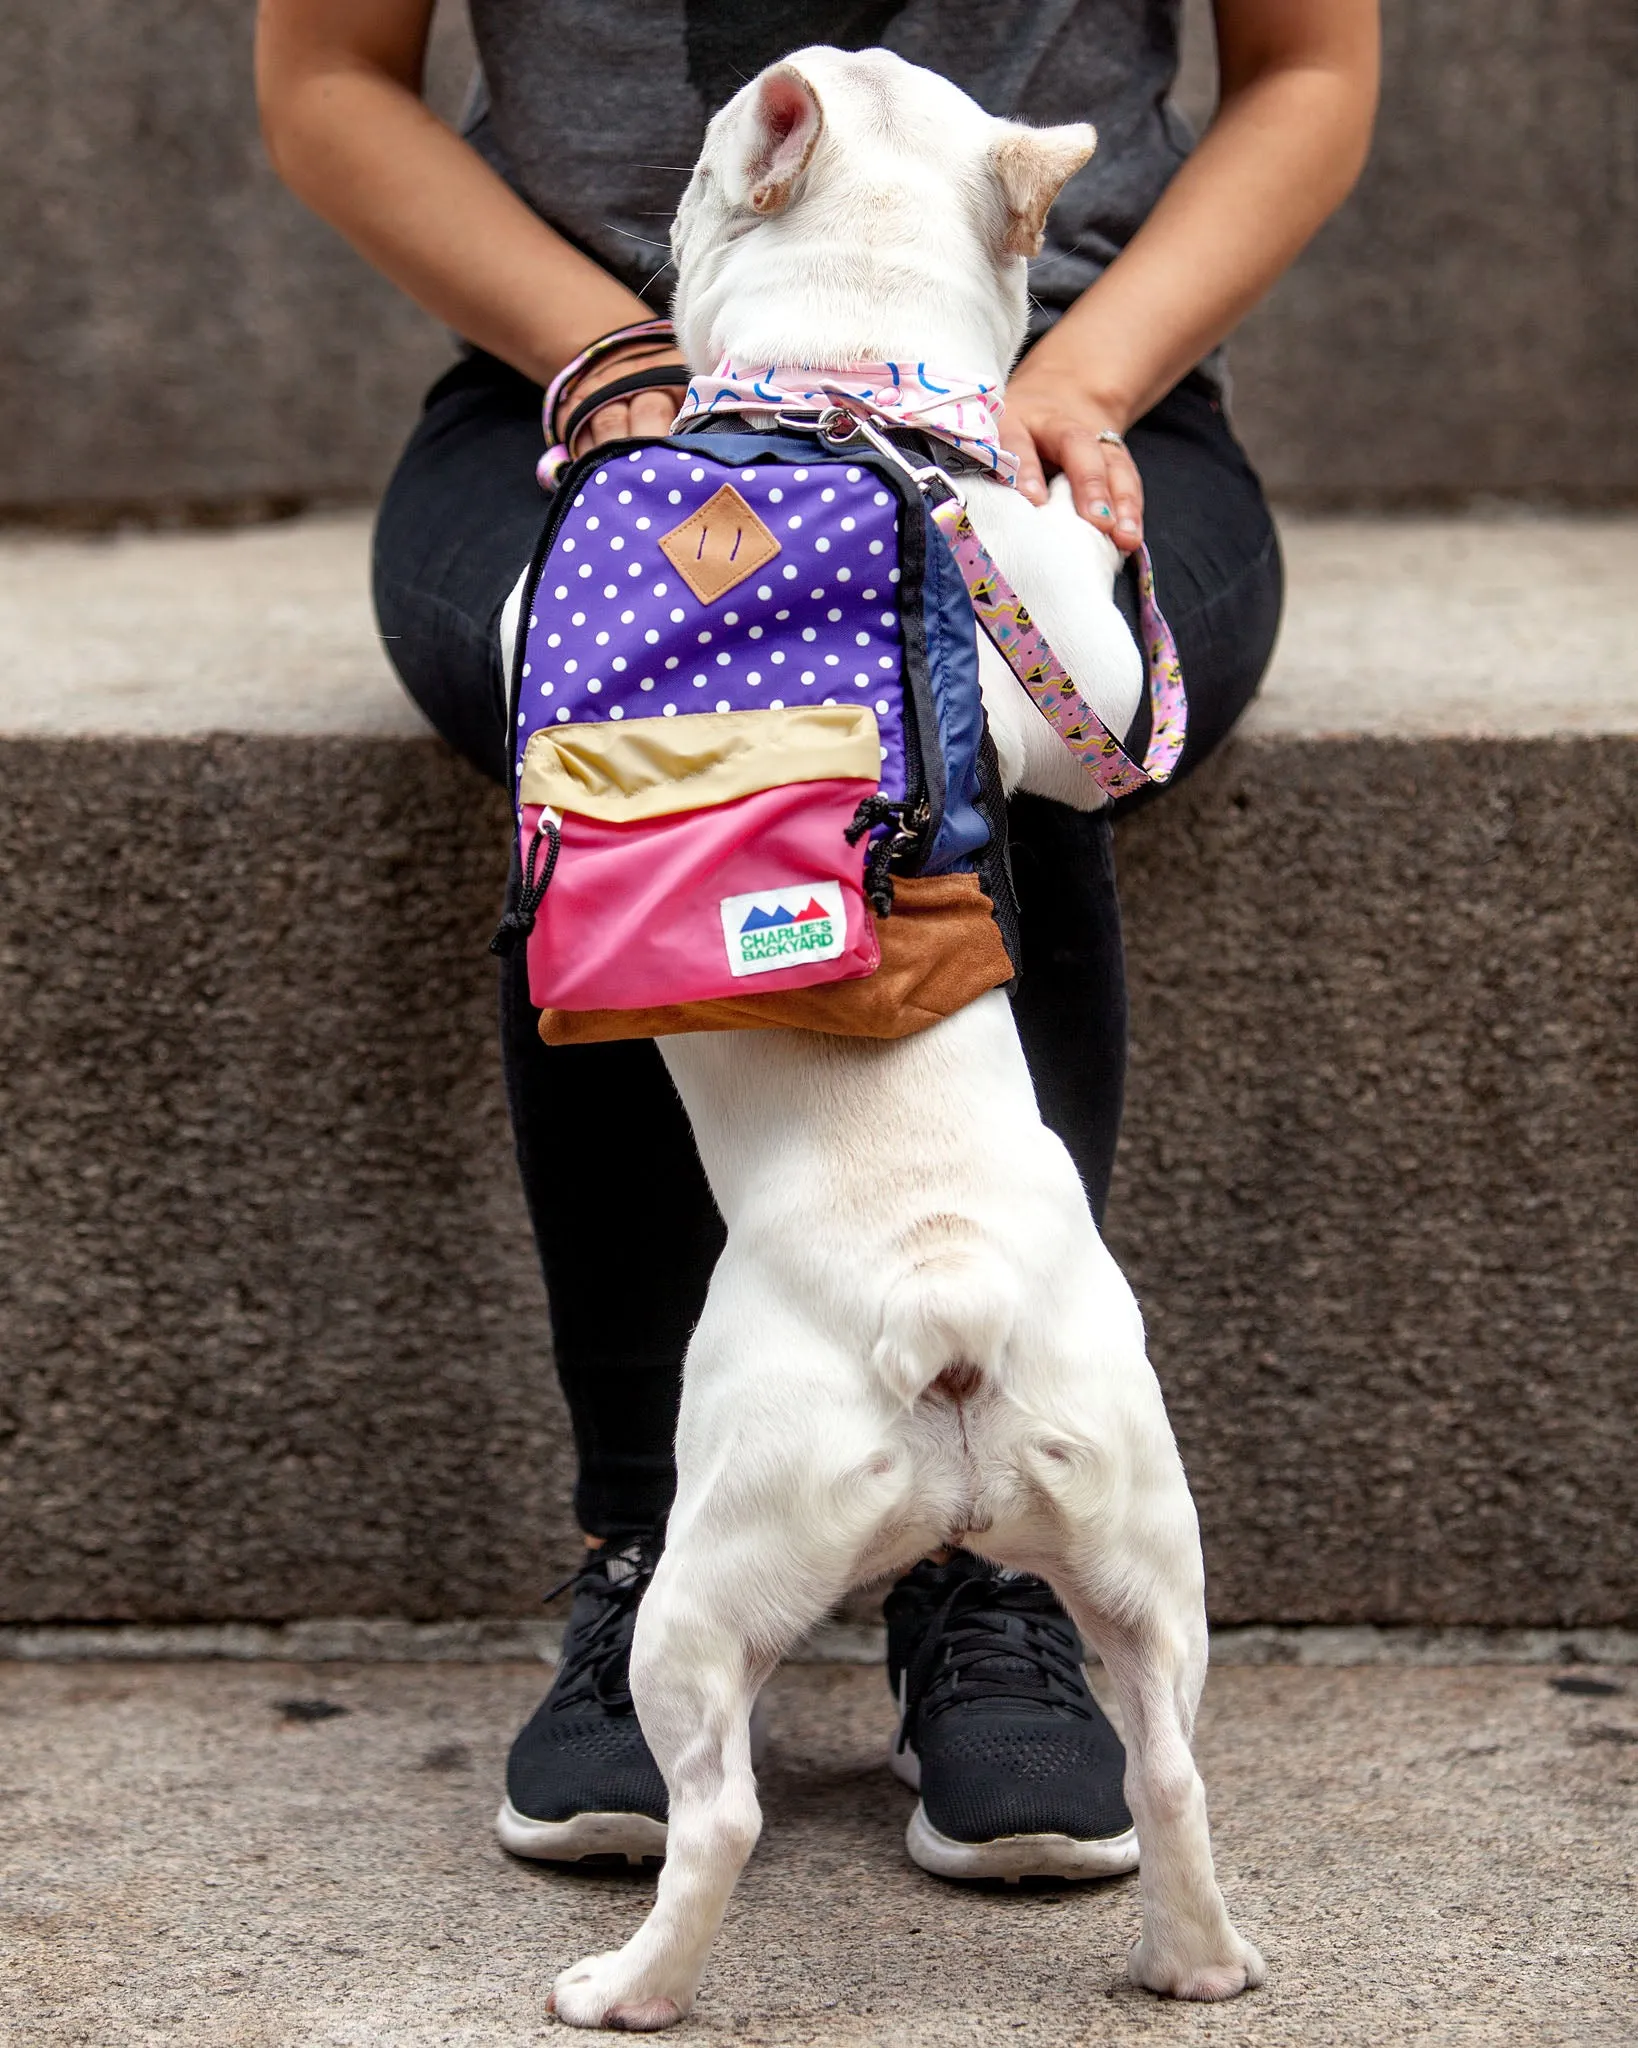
x=746, y=448
x=952, y=655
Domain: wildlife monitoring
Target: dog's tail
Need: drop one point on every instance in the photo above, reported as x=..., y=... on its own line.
x=952, y=1312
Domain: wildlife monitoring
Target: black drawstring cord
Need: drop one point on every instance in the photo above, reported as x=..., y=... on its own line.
x=519, y=919
x=878, y=881
x=875, y=810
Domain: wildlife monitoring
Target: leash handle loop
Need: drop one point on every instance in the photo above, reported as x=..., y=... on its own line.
x=1024, y=648
x=652, y=377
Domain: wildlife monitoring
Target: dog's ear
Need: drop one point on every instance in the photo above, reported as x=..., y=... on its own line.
x=786, y=120
x=1031, y=166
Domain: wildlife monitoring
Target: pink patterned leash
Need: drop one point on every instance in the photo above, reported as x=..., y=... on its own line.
x=1020, y=642
x=1023, y=646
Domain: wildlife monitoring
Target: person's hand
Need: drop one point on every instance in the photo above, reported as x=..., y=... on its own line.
x=642, y=412
x=1051, y=424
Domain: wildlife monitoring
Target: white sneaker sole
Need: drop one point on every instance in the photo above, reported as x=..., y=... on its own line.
x=632, y=1835
x=1009, y=1857
x=1015, y=1857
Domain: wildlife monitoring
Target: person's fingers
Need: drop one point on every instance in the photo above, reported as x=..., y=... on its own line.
x=1108, y=490
x=606, y=424
x=652, y=412
x=614, y=420
x=1031, y=476
x=643, y=413
x=1081, y=457
x=1126, y=496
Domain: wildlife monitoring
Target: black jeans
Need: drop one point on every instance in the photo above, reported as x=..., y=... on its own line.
x=627, y=1258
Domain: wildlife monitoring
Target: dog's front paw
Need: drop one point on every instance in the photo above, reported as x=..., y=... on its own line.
x=600, y=1992
x=1224, y=1973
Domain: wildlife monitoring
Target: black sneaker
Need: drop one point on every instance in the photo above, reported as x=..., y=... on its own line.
x=1018, y=1768
x=580, y=1780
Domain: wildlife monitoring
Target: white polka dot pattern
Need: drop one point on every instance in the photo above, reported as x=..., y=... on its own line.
x=649, y=648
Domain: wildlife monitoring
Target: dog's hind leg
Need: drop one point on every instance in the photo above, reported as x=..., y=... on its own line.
x=760, y=1545
x=1131, y=1579
x=1188, y=1947
x=694, y=1686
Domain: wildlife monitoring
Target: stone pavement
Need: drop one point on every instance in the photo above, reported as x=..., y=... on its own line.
x=290, y=1856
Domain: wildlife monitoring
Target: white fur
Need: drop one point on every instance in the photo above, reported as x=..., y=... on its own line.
x=915, y=1336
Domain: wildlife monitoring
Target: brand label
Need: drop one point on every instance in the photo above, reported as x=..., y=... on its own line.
x=784, y=927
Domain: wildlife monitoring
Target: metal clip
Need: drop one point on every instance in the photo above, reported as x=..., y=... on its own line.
x=858, y=422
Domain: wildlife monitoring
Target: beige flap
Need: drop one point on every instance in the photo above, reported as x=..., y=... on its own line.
x=652, y=767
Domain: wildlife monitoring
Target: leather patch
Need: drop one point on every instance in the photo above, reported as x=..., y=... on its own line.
x=717, y=547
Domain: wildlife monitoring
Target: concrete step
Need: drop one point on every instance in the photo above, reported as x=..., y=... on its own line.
x=273, y=1853
x=271, y=1333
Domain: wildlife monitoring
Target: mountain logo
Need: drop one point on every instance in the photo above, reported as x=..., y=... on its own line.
x=774, y=928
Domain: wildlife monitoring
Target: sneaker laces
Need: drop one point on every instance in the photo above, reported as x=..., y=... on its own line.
x=596, y=1665
x=995, y=1638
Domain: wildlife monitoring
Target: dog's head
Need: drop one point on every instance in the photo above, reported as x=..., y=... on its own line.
x=848, y=206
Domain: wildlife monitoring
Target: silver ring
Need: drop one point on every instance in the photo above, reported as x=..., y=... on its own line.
x=1108, y=434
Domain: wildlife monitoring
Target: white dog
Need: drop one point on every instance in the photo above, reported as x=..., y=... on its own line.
x=915, y=1336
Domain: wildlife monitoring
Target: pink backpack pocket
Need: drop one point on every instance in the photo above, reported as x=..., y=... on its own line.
x=698, y=858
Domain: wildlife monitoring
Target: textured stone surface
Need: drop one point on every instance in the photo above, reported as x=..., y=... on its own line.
x=1428, y=1857
x=271, y=1337
x=273, y=1340
x=175, y=331
x=1414, y=627
x=1375, y=1186
x=264, y=629
x=1465, y=324
x=1502, y=625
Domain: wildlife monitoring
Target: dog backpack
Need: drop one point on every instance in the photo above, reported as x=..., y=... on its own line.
x=752, y=779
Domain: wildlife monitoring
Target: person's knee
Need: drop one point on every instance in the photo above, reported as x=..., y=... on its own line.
x=450, y=666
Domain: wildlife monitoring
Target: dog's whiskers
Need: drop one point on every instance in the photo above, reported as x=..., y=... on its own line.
x=615, y=229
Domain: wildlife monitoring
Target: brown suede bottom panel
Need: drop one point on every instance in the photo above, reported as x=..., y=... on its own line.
x=940, y=950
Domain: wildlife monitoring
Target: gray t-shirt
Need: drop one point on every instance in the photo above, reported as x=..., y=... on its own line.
x=594, y=110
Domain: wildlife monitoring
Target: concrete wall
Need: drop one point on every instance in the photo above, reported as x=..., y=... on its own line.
x=1376, y=1187
x=175, y=332
x=1467, y=324
x=274, y=1338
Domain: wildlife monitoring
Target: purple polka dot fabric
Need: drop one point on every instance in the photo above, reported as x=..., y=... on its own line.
x=615, y=632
